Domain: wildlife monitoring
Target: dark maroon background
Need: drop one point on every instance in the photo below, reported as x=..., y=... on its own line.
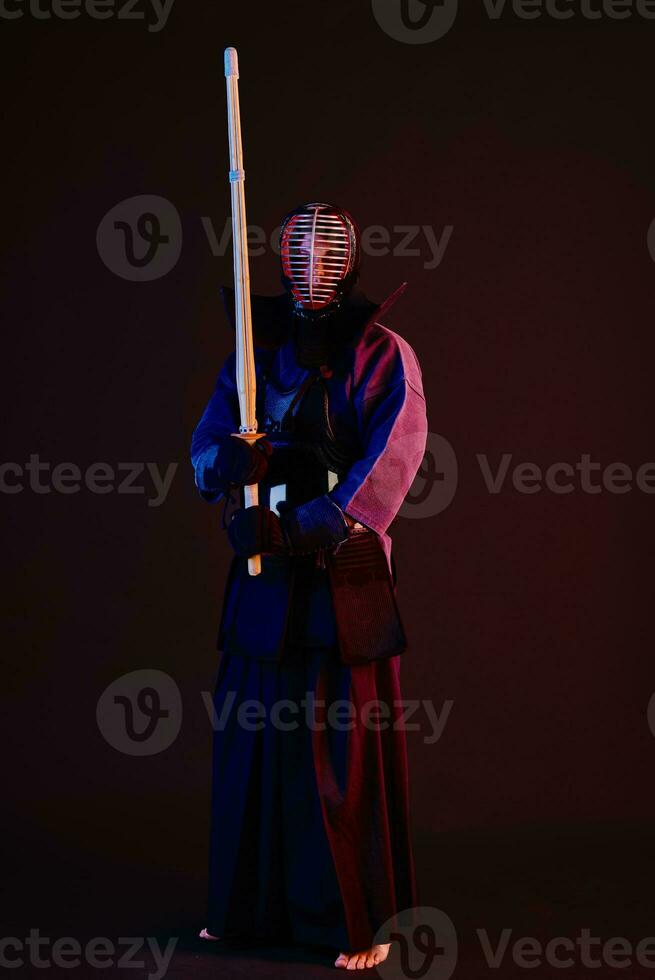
x=533, y=613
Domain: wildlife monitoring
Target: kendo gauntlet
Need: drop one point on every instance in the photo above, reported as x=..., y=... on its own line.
x=256, y=531
x=303, y=530
x=319, y=523
x=232, y=462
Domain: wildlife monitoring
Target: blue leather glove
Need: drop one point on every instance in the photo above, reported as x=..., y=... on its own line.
x=231, y=462
x=319, y=523
x=256, y=531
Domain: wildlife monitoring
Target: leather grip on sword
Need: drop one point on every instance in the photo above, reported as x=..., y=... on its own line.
x=251, y=499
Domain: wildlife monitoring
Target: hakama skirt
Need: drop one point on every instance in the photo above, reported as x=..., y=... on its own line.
x=310, y=837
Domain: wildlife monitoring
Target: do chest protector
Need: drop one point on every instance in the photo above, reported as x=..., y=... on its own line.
x=308, y=459
x=349, y=603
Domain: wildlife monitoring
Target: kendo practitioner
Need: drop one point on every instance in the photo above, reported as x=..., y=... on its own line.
x=310, y=838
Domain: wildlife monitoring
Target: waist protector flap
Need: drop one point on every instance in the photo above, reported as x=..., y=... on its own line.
x=368, y=621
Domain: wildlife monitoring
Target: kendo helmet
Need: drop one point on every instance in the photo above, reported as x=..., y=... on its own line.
x=320, y=247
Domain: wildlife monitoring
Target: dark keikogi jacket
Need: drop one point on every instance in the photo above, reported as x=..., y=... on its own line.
x=355, y=432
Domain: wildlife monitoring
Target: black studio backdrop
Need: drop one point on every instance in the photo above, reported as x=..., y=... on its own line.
x=524, y=149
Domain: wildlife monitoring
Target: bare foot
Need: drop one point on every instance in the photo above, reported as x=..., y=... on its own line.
x=366, y=959
x=203, y=934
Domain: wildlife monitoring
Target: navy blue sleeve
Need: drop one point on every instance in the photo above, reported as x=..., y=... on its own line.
x=220, y=418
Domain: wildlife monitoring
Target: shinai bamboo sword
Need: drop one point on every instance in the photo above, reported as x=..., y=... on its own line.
x=245, y=360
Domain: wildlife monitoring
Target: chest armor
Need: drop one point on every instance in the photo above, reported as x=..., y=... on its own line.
x=309, y=458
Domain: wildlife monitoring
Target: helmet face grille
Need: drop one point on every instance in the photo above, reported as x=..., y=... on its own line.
x=317, y=255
